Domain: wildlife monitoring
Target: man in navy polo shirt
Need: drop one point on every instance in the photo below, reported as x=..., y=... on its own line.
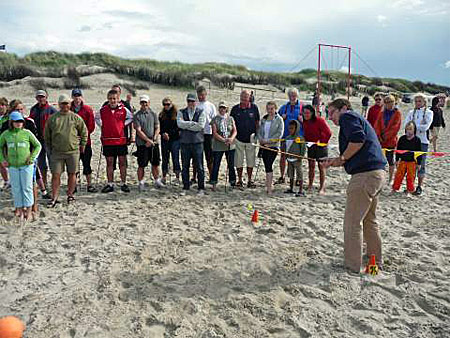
x=246, y=117
x=362, y=158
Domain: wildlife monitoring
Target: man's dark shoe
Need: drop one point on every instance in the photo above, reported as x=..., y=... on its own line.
x=418, y=191
x=107, y=188
x=124, y=188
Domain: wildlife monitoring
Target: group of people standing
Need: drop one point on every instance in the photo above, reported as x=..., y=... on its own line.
x=422, y=126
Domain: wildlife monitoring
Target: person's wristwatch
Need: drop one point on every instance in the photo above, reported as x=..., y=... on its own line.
x=342, y=158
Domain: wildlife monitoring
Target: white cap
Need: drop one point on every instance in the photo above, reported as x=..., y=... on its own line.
x=144, y=98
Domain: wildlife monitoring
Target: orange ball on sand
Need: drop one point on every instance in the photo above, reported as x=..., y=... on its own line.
x=11, y=327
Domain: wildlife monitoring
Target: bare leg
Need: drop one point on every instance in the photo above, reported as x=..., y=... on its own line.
x=123, y=169
x=421, y=178
x=4, y=173
x=44, y=177
x=434, y=141
x=89, y=179
x=155, y=171
x=56, y=183
x=110, y=169
x=28, y=213
x=140, y=174
x=239, y=172
x=249, y=173
x=391, y=174
x=322, y=173
x=311, y=174
x=71, y=183
x=35, y=198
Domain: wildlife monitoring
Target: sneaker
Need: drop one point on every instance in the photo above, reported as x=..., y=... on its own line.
x=124, y=188
x=46, y=196
x=289, y=191
x=300, y=194
x=142, y=187
x=159, y=184
x=107, y=188
x=201, y=192
x=6, y=186
x=280, y=180
x=183, y=192
x=164, y=181
x=418, y=191
x=91, y=189
x=176, y=182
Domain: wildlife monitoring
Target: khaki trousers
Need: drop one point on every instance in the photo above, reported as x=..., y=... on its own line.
x=360, y=212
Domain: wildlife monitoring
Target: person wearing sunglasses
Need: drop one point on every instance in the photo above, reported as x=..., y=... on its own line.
x=375, y=111
x=65, y=137
x=170, y=139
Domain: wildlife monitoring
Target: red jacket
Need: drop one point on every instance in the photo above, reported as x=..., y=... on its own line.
x=387, y=134
x=40, y=116
x=317, y=131
x=87, y=114
x=113, y=123
x=373, y=114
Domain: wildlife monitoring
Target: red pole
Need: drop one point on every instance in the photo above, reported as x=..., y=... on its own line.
x=318, y=77
x=349, y=72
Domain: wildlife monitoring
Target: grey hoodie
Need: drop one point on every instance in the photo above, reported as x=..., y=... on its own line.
x=293, y=147
x=275, y=132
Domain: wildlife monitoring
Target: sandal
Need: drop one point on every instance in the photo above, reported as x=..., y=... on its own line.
x=52, y=203
x=251, y=185
x=70, y=199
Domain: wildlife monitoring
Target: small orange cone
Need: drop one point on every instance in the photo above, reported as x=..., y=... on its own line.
x=372, y=267
x=11, y=327
x=255, y=217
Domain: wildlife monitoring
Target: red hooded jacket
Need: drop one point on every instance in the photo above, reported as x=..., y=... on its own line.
x=87, y=114
x=113, y=123
x=387, y=134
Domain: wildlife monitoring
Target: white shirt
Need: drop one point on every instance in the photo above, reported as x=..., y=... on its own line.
x=210, y=111
x=422, y=118
x=267, y=129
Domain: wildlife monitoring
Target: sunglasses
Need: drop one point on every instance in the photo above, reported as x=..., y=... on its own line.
x=190, y=100
x=64, y=103
x=166, y=104
x=77, y=95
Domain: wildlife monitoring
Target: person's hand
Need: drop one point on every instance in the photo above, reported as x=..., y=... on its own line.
x=82, y=149
x=149, y=143
x=165, y=137
x=284, y=116
x=5, y=164
x=28, y=161
x=333, y=162
x=300, y=117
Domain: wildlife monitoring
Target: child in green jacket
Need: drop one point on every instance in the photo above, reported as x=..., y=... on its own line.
x=18, y=150
x=294, y=147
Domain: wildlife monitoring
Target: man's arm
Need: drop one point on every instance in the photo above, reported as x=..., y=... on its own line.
x=48, y=134
x=129, y=117
x=90, y=121
x=98, y=119
x=141, y=134
x=182, y=124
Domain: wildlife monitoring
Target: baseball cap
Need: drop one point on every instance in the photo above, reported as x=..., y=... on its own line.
x=77, y=92
x=16, y=116
x=41, y=92
x=64, y=98
x=144, y=98
x=222, y=104
x=191, y=97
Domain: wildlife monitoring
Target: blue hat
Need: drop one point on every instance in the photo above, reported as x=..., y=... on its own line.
x=76, y=92
x=191, y=97
x=16, y=116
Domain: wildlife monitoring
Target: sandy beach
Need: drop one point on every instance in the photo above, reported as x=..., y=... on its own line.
x=156, y=264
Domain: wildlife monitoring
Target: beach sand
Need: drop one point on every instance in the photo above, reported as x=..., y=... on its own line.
x=156, y=264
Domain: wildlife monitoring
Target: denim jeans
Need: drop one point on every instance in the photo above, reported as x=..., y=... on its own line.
x=170, y=148
x=192, y=151
x=22, y=185
x=217, y=158
x=421, y=170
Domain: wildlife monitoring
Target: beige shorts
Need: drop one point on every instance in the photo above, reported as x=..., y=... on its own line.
x=244, y=149
x=294, y=170
x=59, y=161
x=435, y=132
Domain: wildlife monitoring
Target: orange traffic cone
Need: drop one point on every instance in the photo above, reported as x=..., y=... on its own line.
x=255, y=216
x=372, y=267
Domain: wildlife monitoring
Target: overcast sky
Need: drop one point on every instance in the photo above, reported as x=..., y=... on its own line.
x=397, y=38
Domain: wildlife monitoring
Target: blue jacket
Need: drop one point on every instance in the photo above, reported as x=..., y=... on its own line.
x=292, y=114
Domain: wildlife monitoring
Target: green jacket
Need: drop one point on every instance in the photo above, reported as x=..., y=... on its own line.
x=292, y=147
x=65, y=133
x=19, y=145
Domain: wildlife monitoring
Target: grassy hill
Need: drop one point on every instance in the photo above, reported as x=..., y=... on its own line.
x=74, y=66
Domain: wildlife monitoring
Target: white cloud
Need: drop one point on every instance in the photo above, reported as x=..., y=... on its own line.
x=382, y=20
x=447, y=64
